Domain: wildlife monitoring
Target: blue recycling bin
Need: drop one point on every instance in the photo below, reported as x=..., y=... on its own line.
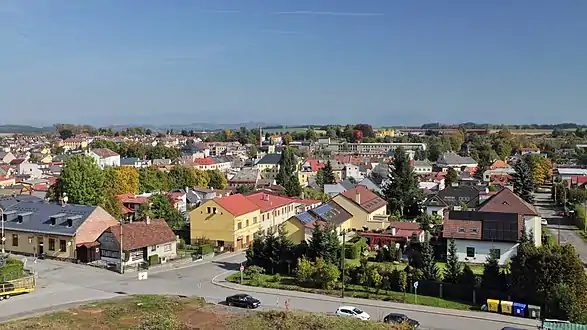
x=519, y=309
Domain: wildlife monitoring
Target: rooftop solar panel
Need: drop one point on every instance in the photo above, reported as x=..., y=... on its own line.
x=305, y=217
x=321, y=210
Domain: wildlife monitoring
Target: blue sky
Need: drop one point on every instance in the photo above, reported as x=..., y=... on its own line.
x=389, y=62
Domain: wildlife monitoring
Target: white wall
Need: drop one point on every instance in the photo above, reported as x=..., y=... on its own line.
x=534, y=225
x=507, y=250
x=438, y=209
x=159, y=250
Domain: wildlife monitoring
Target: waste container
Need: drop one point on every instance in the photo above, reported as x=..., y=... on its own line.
x=519, y=309
x=493, y=305
x=533, y=312
x=506, y=307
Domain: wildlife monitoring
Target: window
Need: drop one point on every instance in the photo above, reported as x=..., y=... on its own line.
x=239, y=225
x=495, y=252
x=51, y=244
x=109, y=254
x=254, y=219
x=153, y=248
x=474, y=230
x=62, y=245
x=461, y=230
x=209, y=209
x=470, y=252
x=247, y=223
x=14, y=239
x=167, y=247
x=214, y=210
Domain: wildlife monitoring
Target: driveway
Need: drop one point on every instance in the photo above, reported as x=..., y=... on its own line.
x=563, y=229
x=61, y=284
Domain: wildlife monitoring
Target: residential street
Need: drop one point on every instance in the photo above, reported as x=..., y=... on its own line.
x=61, y=284
x=562, y=225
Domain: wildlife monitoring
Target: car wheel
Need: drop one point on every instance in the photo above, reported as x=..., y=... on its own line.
x=229, y=303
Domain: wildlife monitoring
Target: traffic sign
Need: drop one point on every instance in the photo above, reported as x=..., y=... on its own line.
x=416, y=285
x=242, y=268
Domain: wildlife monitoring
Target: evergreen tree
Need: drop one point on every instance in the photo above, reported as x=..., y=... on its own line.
x=402, y=191
x=292, y=186
x=256, y=252
x=492, y=279
x=429, y=267
x=451, y=177
x=523, y=182
x=286, y=250
x=454, y=268
x=485, y=159
x=324, y=244
x=329, y=177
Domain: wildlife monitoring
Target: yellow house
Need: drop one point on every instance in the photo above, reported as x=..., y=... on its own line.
x=230, y=222
x=385, y=132
x=299, y=227
x=47, y=159
x=269, y=166
x=73, y=143
x=367, y=208
x=45, y=151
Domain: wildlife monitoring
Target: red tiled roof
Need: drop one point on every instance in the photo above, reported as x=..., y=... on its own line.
x=578, y=179
x=369, y=201
x=175, y=195
x=498, y=164
x=132, y=199
x=315, y=164
x=404, y=225
x=204, y=161
x=505, y=201
x=126, y=210
x=268, y=202
x=104, y=152
x=139, y=234
x=236, y=204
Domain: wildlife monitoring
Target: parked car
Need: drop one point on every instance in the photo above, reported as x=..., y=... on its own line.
x=401, y=318
x=243, y=300
x=544, y=222
x=350, y=311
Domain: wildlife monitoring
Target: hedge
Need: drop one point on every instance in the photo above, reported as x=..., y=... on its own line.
x=12, y=270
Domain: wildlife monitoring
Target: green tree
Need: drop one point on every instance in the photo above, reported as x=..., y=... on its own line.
x=256, y=251
x=183, y=176
x=454, y=268
x=451, y=177
x=111, y=203
x=305, y=272
x=244, y=189
x=253, y=152
x=324, y=244
x=485, y=160
x=402, y=192
x=217, y=179
x=65, y=134
x=491, y=278
x=292, y=186
x=326, y=275
x=163, y=209
x=82, y=180
x=328, y=174
x=286, y=250
x=429, y=267
x=151, y=179
x=523, y=182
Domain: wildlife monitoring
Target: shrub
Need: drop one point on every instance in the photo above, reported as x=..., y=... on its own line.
x=159, y=322
x=205, y=249
x=253, y=271
x=13, y=269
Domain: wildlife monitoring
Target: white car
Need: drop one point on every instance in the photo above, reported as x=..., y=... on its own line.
x=544, y=222
x=351, y=311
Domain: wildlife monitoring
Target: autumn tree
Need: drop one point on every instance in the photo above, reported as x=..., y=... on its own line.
x=126, y=180
x=184, y=176
x=217, y=179
x=151, y=179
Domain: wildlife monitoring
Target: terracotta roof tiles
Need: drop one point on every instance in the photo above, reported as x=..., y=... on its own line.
x=237, y=204
x=139, y=234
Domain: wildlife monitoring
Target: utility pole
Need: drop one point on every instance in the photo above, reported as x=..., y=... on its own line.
x=564, y=214
x=2, y=220
x=343, y=262
x=121, y=250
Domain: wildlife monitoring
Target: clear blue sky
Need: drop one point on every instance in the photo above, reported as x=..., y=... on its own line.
x=304, y=61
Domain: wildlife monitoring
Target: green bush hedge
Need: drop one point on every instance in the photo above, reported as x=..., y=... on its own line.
x=205, y=249
x=354, y=250
x=13, y=269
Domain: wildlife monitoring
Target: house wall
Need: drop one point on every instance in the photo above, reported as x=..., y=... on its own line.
x=482, y=248
x=295, y=230
x=109, y=161
x=223, y=226
x=165, y=251
x=268, y=171
x=360, y=217
x=28, y=243
x=435, y=210
x=95, y=224
x=533, y=224
x=275, y=217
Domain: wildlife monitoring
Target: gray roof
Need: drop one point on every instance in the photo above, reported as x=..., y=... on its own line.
x=32, y=215
x=128, y=161
x=246, y=174
x=270, y=159
x=452, y=158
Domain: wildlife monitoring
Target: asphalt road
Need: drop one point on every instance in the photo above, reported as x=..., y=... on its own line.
x=62, y=284
x=562, y=228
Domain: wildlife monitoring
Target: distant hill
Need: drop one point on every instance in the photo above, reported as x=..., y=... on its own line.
x=193, y=126
x=25, y=129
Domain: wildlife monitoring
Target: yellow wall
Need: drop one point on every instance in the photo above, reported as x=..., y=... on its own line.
x=268, y=171
x=28, y=243
x=295, y=230
x=360, y=217
x=222, y=226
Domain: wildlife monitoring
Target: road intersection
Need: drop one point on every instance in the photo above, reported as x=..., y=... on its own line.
x=62, y=285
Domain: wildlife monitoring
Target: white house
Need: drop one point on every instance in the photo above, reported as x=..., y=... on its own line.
x=565, y=174
x=457, y=162
x=105, y=157
x=422, y=167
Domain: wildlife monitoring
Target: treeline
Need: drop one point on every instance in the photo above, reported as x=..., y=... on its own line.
x=470, y=125
x=138, y=150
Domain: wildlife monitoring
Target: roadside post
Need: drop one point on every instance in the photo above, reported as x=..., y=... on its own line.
x=242, y=268
x=416, y=292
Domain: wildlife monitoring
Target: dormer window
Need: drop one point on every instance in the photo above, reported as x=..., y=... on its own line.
x=461, y=230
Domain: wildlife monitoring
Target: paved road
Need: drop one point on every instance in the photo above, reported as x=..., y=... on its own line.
x=560, y=225
x=61, y=284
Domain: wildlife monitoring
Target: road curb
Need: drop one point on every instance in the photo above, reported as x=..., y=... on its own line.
x=229, y=285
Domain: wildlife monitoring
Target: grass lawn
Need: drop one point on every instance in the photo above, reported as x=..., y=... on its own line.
x=357, y=291
x=175, y=313
x=476, y=268
x=551, y=237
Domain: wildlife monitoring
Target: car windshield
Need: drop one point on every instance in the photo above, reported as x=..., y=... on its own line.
x=358, y=311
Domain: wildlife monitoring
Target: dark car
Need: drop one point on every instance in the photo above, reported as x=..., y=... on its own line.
x=243, y=300
x=401, y=318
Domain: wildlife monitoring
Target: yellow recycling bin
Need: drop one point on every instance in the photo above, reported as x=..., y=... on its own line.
x=506, y=307
x=493, y=305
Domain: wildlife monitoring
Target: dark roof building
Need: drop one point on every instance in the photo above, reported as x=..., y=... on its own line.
x=270, y=159
x=485, y=226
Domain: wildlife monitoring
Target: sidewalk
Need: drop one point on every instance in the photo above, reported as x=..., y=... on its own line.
x=186, y=263
x=379, y=303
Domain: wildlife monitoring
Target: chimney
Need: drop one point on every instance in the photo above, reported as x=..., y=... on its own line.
x=187, y=189
x=393, y=231
x=358, y=197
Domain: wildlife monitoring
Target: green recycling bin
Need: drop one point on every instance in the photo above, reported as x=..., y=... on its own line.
x=533, y=312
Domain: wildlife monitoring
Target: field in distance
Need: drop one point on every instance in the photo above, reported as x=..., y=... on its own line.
x=175, y=313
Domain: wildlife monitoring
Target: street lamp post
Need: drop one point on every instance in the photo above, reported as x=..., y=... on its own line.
x=2, y=220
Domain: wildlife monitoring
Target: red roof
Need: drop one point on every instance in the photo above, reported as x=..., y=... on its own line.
x=268, y=202
x=315, y=165
x=498, y=164
x=132, y=199
x=369, y=201
x=139, y=234
x=236, y=204
x=578, y=179
x=104, y=152
x=204, y=161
